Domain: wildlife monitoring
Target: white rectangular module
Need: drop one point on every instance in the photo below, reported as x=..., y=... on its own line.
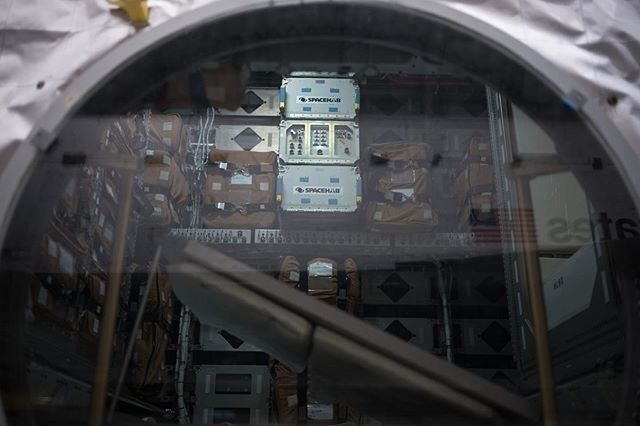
x=319, y=142
x=257, y=102
x=319, y=97
x=318, y=188
x=248, y=138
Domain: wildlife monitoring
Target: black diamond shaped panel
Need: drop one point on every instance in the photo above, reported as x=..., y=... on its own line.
x=491, y=288
x=395, y=287
x=503, y=380
x=397, y=329
x=247, y=139
x=496, y=336
x=251, y=102
x=231, y=339
x=388, y=104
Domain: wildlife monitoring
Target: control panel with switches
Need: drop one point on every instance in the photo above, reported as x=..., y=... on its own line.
x=216, y=236
x=321, y=238
x=311, y=142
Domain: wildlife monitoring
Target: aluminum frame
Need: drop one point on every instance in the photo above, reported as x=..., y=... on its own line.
x=226, y=137
x=270, y=107
x=17, y=174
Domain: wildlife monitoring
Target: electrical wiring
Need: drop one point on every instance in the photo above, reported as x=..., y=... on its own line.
x=445, y=295
x=200, y=159
x=181, y=363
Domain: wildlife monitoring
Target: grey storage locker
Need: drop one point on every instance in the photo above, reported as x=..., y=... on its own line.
x=327, y=189
x=480, y=283
x=257, y=102
x=482, y=336
x=237, y=394
x=396, y=287
x=246, y=137
x=313, y=95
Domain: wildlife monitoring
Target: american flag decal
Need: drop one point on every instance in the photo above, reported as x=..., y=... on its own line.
x=517, y=225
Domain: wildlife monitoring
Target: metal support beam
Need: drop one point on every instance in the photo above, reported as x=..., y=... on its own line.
x=153, y=270
x=529, y=246
x=110, y=310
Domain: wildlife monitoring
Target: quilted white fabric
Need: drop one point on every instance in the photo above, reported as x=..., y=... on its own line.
x=43, y=47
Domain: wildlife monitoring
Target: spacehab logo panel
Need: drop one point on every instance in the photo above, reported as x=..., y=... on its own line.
x=318, y=100
x=324, y=190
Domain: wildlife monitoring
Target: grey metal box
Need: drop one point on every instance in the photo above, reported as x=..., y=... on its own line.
x=391, y=287
x=246, y=137
x=312, y=188
x=257, y=102
x=232, y=390
x=417, y=331
x=319, y=97
x=319, y=142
